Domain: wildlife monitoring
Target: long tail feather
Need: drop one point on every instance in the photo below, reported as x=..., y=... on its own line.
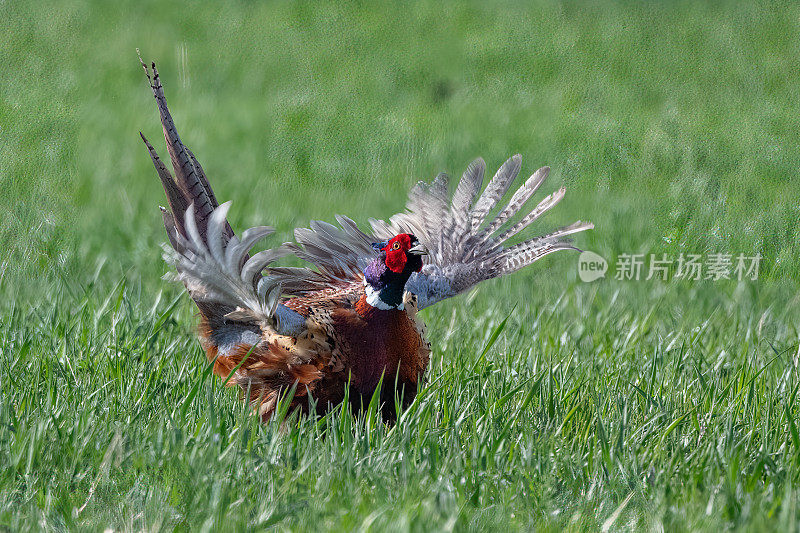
x=175, y=197
x=188, y=187
x=190, y=179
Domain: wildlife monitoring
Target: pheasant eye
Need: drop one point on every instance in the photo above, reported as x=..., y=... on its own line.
x=396, y=246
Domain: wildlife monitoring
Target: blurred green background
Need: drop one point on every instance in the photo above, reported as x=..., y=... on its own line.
x=674, y=126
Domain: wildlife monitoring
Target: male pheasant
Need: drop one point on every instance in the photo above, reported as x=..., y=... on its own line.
x=352, y=320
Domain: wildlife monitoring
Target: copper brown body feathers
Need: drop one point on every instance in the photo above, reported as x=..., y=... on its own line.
x=347, y=343
x=350, y=320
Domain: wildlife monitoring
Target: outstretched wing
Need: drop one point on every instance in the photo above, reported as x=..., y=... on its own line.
x=340, y=255
x=465, y=244
x=223, y=274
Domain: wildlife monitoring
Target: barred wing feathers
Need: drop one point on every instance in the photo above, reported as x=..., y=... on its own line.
x=339, y=254
x=223, y=274
x=466, y=245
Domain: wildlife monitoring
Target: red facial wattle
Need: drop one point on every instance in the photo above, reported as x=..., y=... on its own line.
x=396, y=250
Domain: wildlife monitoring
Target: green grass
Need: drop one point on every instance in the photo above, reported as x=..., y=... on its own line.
x=550, y=403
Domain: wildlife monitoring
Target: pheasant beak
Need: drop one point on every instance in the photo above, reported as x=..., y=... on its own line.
x=418, y=249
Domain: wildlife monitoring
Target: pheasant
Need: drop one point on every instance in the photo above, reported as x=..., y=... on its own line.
x=346, y=327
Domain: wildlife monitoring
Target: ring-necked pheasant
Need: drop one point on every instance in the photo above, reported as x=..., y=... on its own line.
x=353, y=318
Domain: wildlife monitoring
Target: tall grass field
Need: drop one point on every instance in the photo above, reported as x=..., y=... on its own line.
x=551, y=403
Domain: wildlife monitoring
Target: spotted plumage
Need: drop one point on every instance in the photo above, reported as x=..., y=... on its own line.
x=350, y=321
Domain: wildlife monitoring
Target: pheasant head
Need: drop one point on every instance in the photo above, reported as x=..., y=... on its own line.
x=385, y=276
